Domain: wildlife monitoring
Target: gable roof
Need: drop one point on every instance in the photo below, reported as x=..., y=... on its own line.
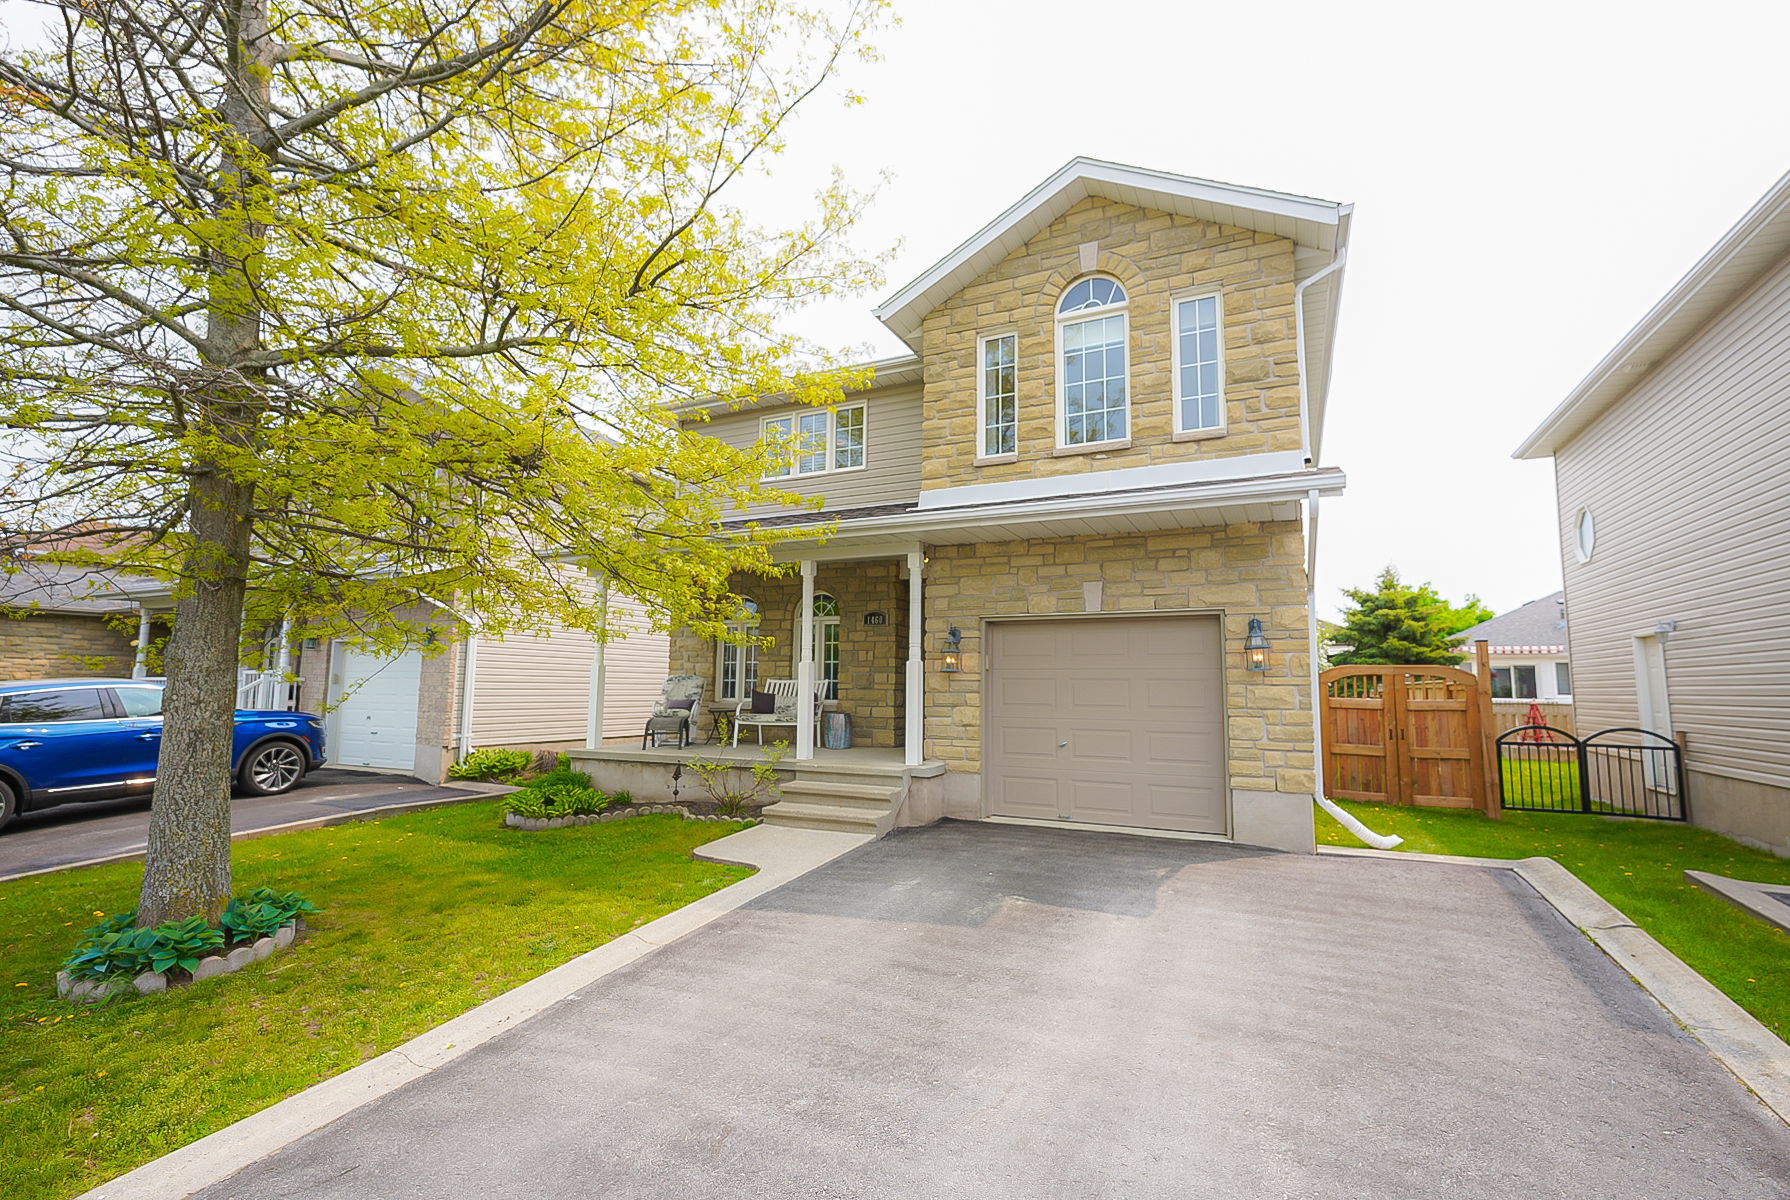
x=1538, y=627
x=1319, y=230
x=1720, y=277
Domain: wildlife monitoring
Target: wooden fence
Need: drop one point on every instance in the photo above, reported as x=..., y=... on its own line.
x=1513, y=714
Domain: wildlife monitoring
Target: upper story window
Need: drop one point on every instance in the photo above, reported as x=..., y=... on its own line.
x=1199, y=365
x=1584, y=535
x=1091, y=372
x=831, y=440
x=998, y=392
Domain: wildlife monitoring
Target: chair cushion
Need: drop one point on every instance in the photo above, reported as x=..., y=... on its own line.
x=764, y=702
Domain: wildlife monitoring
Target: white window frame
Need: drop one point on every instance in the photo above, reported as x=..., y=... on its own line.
x=1183, y=431
x=748, y=654
x=1063, y=322
x=982, y=455
x=1584, y=535
x=792, y=422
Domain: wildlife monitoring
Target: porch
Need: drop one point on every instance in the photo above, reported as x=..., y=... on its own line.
x=868, y=789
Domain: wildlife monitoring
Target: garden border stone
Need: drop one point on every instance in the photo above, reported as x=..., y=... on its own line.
x=516, y=821
x=92, y=991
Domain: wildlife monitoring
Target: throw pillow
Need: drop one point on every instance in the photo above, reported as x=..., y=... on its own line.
x=764, y=702
x=685, y=705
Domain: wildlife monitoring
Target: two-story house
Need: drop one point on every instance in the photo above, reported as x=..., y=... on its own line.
x=1065, y=569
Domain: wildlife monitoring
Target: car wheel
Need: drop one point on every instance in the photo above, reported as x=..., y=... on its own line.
x=9, y=804
x=271, y=769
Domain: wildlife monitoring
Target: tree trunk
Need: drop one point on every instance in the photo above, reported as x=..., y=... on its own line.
x=187, y=869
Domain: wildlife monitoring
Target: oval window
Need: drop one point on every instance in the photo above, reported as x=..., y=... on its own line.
x=1585, y=538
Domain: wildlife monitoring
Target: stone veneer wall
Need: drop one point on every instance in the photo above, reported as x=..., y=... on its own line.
x=1245, y=570
x=871, y=657
x=44, y=645
x=1157, y=257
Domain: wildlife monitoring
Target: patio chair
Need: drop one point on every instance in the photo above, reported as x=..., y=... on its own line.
x=783, y=713
x=675, y=710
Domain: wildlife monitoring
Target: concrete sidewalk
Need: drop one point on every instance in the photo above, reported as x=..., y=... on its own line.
x=975, y=1010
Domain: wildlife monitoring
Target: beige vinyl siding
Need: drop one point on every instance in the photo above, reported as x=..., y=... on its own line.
x=1686, y=483
x=534, y=689
x=891, y=471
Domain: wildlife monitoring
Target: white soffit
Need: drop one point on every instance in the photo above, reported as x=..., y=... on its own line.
x=1720, y=277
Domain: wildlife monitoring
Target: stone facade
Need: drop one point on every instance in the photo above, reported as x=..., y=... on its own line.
x=46, y=645
x=1157, y=257
x=871, y=657
x=1241, y=571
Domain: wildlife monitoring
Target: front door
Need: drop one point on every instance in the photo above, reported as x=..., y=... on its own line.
x=1108, y=720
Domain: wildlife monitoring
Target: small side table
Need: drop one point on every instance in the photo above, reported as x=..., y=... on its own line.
x=719, y=710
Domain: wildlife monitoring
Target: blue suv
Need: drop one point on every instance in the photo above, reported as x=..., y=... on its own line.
x=98, y=739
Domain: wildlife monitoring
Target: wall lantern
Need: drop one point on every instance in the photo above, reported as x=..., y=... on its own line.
x=1255, y=647
x=952, y=650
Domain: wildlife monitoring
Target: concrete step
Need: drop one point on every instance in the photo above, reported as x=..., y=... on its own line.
x=851, y=795
x=802, y=814
x=893, y=777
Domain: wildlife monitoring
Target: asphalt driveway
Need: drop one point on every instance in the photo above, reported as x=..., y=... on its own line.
x=74, y=833
x=988, y=1011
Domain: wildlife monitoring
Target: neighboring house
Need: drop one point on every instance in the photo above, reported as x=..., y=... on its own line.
x=1674, y=507
x=420, y=711
x=58, y=621
x=1527, y=648
x=1054, y=522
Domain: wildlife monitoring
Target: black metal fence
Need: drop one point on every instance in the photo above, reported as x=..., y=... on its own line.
x=1615, y=772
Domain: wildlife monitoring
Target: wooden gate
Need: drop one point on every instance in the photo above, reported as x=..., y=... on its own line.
x=1408, y=735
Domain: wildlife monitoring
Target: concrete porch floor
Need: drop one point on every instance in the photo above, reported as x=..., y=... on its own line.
x=873, y=760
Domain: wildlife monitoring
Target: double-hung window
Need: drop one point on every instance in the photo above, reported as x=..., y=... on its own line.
x=1199, y=365
x=736, y=664
x=1093, y=383
x=823, y=441
x=998, y=390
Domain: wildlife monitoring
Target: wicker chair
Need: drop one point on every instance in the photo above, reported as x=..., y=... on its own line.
x=675, y=711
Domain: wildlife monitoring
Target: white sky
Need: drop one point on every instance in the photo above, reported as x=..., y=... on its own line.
x=1528, y=180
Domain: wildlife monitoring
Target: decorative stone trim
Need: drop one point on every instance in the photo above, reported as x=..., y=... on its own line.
x=92, y=991
x=514, y=821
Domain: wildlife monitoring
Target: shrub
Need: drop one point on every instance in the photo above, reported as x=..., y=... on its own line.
x=261, y=912
x=559, y=777
x=492, y=764
x=622, y=797
x=565, y=800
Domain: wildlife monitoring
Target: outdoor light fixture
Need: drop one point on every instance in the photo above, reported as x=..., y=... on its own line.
x=952, y=651
x=1255, y=646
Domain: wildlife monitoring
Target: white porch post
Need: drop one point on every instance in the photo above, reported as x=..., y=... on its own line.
x=805, y=671
x=140, y=668
x=916, y=667
x=283, y=697
x=593, y=717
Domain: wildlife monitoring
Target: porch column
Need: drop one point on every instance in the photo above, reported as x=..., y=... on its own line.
x=805, y=671
x=916, y=667
x=286, y=697
x=140, y=668
x=593, y=711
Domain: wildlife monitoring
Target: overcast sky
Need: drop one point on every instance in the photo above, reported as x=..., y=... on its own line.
x=1528, y=180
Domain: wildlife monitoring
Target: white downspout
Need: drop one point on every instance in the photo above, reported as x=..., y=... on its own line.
x=1305, y=438
x=593, y=713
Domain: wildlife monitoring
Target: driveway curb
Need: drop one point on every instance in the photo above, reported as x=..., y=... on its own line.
x=1756, y=1056
x=473, y=791
x=779, y=854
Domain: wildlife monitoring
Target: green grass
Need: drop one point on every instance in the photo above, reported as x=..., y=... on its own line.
x=1545, y=779
x=1636, y=865
x=423, y=916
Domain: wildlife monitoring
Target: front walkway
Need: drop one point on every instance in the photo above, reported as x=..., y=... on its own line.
x=995, y=1011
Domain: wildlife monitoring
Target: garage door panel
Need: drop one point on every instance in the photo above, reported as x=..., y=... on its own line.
x=1140, y=700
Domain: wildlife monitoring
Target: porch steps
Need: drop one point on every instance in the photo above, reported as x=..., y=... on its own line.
x=853, y=807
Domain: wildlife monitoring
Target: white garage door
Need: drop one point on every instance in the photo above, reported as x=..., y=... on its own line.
x=1110, y=720
x=376, y=723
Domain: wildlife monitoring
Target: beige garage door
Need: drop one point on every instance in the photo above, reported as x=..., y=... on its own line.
x=1114, y=720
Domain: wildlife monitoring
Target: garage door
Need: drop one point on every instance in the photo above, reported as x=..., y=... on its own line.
x=1113, y=720
x=376, y=723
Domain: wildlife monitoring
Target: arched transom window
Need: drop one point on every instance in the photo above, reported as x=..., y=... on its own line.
x=1092, y=385
x=826, y=642
x=736, y=665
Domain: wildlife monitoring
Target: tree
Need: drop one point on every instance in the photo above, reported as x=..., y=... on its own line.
x=1395, y=623
x=316, y=308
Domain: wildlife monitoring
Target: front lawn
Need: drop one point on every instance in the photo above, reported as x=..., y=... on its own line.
x=1636, y=865
x=423, y=916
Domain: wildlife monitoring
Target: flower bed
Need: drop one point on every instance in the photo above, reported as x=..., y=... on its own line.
x=115, y=956
x=516, y=820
